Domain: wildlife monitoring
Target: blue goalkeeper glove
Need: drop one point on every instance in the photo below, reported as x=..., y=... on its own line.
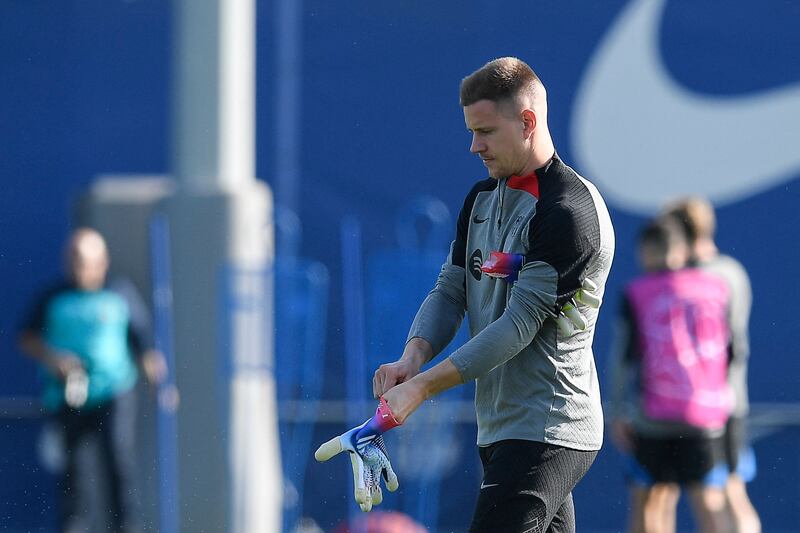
x=368, y=456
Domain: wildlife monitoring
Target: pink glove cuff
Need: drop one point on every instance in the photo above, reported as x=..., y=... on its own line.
x=384, y=416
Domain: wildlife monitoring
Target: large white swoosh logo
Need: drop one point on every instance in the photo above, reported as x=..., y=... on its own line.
x=644, y=139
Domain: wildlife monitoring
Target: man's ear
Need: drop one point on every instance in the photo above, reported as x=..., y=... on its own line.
x=528, y=122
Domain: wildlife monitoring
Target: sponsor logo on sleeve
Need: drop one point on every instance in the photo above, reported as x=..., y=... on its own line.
x=475, y=262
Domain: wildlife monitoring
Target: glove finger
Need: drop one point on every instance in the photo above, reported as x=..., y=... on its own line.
x=329, y=449
x=574, y=316
x=588, y=299
x=565, y=326
x=390, y=477
x=589, y=285
x=361, y=491
x=376, y=494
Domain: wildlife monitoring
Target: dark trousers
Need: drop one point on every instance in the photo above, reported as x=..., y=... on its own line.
x=109, y=430
x=527, y=487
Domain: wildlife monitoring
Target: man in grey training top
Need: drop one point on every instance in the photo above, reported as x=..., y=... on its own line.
x=533, y=242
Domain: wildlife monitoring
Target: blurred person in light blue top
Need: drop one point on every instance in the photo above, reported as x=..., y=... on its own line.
x=88, y=334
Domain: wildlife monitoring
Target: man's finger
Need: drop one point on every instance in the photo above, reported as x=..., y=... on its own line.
x=329, y=449
x=382, y=381
x=376, y=386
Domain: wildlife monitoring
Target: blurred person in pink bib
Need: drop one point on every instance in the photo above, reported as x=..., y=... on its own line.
x=670, y=395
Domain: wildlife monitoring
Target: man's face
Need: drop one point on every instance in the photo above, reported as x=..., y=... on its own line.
x=498, y=137
x=87, y=261
x=652, y=257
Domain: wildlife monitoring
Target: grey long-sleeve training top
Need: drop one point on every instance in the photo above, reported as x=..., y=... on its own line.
x=533, y=383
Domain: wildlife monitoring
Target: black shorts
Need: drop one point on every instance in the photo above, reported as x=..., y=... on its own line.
x=527, y=487
x=686, y=459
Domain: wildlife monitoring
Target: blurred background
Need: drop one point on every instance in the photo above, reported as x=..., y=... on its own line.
x=281, y=179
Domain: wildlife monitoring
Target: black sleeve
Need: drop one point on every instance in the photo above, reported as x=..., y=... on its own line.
x=140, y=330
x=462, y=226
x=624, y=365
x=34, y=320
x=565, y=234
x=630, y=350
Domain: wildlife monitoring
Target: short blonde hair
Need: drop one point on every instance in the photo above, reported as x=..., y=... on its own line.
x=697, y=216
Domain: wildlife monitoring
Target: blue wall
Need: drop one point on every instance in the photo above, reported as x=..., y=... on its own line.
x=85, y=90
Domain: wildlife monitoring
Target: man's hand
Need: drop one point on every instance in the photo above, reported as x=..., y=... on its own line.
x=570, y=319
x=154, y=366
x=391, y=374
x=368, y=456
x=62, y=364
x=417, y=352
x=57, y=362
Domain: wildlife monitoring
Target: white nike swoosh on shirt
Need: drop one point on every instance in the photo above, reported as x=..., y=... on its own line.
x=487, y=485
x=645, y=139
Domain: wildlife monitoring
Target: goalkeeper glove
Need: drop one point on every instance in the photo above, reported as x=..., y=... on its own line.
x=569, y=318
x=368, y=456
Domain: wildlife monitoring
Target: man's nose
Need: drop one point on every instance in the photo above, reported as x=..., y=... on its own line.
x=477, y=145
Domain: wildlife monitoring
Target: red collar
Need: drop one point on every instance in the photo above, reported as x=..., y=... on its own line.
x=529, y=183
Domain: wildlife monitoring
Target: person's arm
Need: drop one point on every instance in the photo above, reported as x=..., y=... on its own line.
x=533, y=300
x=140, y=333
x=741, y=298
x=561, y=244
x=416, y=353
x=622, y=369
x=620, y=360
x=58, y=363
x=31, y=341
x=406, y=397
x=434, y=326
x=563, y=237
x=530, y=305
x=441, y=313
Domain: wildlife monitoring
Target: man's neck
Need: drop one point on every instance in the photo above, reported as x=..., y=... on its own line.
x=705, y=250
x=542, y=152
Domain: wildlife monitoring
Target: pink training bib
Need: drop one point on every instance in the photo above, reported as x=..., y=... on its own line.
x=681, y=319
